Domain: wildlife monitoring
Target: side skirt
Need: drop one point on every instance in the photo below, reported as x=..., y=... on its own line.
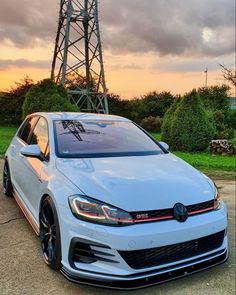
x=26, y=212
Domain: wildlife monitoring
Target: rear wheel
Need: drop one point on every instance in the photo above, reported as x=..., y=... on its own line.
x=50, y=234
x=7, y=185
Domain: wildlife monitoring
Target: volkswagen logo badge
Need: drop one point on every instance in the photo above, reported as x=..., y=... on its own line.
x=180, y=212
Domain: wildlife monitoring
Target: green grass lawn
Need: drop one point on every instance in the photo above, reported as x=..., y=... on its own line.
x=6, y=134
x=203, y=161
x=206, y=161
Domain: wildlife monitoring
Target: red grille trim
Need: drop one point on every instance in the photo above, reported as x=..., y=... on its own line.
x=167, y=214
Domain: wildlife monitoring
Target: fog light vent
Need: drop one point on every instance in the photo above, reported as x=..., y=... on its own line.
x=84, y=251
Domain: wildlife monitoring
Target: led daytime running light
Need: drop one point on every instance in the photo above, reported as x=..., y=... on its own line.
x=92, y=210
x=217, y=203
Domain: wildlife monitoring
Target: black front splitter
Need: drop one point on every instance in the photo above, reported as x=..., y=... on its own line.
x=156, y=279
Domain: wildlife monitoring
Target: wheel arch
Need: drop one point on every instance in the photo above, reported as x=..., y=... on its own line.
x=44, y=196
x=54, y=264
x=42, y=199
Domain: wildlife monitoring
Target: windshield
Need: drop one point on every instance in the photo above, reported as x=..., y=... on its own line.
x=102, y=139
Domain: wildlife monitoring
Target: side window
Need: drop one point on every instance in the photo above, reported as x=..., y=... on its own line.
x=40, y=137
x=27, y=127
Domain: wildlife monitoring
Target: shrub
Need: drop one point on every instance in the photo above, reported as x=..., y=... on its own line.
x=157, y=103
x=152, y=104
x=232, y=119
x=138, y=110
x=151, y=124
x=46, y=96
x=166, y=126
x=117, y=106
x=9, y=111
x=188, y=126
x=215, y=97
x=11, y=103
x=223, y=130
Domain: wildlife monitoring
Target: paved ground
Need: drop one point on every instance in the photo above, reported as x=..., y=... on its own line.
x=22, y=270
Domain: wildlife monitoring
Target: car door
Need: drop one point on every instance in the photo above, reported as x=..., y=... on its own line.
x=16, y=159
x=32, y=167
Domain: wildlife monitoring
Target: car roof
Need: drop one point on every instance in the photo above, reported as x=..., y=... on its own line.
x=80, y=116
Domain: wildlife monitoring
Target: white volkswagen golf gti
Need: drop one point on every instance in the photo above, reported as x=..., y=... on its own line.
x=111, y=205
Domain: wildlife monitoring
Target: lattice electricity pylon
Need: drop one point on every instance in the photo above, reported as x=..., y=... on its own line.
x=78, y=55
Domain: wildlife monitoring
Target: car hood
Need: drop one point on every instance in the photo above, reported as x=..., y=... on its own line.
x=138, y=183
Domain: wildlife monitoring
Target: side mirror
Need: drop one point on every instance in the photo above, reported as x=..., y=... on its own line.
x=31, y=151
x=164, y=145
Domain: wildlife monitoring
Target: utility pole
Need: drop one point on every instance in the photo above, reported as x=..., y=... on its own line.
x=78, y=55
x=206, y=81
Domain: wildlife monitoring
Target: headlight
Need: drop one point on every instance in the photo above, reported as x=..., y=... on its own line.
x=88, y=209
x=217, y=204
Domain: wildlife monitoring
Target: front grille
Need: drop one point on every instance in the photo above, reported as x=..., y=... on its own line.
x=168, y=254
x=161, y=214
x=201, y=206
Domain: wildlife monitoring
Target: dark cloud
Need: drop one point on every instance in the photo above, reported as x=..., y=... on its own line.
x=23, y=63
x=179, y=27
x=173, y=27
x=26, y=23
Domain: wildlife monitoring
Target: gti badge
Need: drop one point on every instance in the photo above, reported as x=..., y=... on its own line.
x=180, y=212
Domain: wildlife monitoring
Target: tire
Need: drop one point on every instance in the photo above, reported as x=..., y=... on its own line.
x=7, y=185
x=50, y=237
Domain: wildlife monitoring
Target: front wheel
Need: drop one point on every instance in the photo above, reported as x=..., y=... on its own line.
x=7, y=185
x=50, y=234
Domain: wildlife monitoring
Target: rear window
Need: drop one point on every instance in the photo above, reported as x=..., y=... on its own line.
x=102, y=138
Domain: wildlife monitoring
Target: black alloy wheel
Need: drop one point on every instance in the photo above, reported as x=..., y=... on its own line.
x=50, y=234
x=7, y=185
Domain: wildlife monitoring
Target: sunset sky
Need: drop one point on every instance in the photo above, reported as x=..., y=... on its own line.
x=148, y=44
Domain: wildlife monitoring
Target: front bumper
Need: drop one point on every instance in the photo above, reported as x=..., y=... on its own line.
x=142, y=236
x=148, y=279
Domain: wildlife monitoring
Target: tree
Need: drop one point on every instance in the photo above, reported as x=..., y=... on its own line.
x=47, y=96
x=21, y=87
x=215, y=97
x=11, y=102
x=223, y=126
x=151, y=124
x=157, y=103
x=118, y=106
x=216, y=102
x=166, y=127
x=229, y=75
x=188, y=127
x=75, y=81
